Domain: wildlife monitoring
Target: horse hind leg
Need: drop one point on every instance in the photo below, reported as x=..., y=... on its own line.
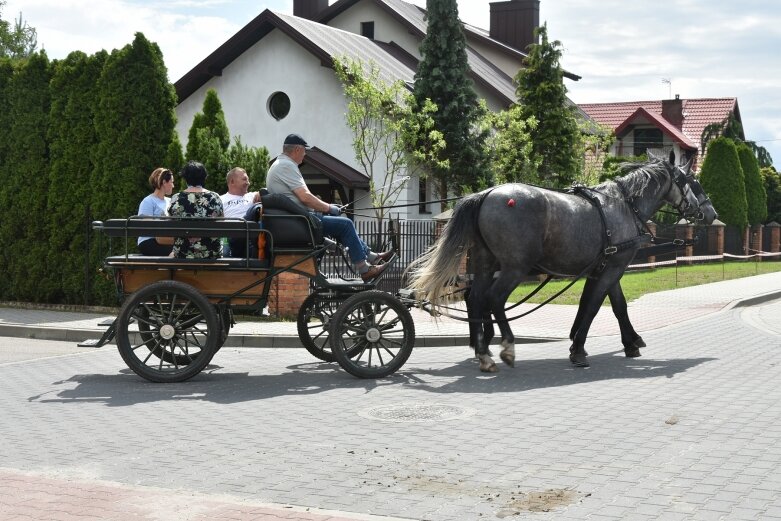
x=477, y=309
x=501, y=289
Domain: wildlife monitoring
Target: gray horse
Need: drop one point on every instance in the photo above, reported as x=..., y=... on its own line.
x=517, y=229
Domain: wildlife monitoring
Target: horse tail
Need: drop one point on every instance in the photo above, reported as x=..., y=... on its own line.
x=432, y=275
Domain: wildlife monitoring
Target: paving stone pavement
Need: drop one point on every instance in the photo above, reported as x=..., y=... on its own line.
x=691, y=430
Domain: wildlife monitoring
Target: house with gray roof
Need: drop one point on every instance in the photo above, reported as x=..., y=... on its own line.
x=275, y=77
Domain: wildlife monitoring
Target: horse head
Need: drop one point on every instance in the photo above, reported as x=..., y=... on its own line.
x=693, y=202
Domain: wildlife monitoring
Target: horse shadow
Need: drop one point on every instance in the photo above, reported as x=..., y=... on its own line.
x=215, y=386
x=527, y=375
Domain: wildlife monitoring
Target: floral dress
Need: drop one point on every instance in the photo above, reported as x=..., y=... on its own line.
x=196, y=204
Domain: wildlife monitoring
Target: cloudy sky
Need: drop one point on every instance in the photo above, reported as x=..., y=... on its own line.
x=622, y=49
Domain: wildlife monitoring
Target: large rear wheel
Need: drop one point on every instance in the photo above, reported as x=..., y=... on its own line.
x=372, y=334
x=314, y=321
x=178, y=327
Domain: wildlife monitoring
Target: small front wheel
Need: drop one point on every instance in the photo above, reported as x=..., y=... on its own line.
x=372, y=334
x=179, y=330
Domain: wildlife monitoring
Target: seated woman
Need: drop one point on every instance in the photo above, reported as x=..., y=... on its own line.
x=196, y=202
x=155, y=205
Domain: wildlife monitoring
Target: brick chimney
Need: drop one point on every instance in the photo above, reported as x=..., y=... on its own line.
x=513, y=22
x=672, y=111
x=309, y=9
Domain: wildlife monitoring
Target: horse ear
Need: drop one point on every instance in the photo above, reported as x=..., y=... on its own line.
x=688, y=166
x=672, y=157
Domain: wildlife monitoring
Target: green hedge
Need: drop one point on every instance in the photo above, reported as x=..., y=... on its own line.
x=722, y=178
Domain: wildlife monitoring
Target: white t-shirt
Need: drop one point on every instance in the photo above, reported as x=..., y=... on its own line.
x=154, y=206
x=235, y=206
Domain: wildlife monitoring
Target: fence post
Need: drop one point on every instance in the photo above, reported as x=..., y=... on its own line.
x=716, y=238
x=756, y=238
x=651, y=228
x=774, y=229
x=685, y=230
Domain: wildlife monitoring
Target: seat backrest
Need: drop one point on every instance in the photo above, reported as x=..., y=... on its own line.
x=290, y=230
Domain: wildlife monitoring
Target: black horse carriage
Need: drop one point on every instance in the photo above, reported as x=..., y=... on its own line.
x=177, y=313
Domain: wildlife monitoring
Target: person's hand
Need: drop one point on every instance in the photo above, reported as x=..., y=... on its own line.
x=334, y=210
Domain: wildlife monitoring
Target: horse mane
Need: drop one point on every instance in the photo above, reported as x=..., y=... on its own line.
x=636, y=177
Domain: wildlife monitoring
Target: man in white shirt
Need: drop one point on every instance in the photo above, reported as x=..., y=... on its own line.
x=237, y=200
x=235, y=203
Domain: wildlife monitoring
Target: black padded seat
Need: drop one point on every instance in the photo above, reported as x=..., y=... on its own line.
x=291, y=231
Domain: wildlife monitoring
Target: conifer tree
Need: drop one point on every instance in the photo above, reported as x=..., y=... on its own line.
x=756, y=197
x=208, y=141
x=71, y=141
x=772, y=182
x=23, y=233
x=6, y=74
x=254, y=160
x=134, y=123
x=542, y=94
x=443, y=78
x=722, y=179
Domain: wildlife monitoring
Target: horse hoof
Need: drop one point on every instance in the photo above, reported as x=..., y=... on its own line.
x=508, y=359
x=632, y=352
x=578, y=360
x=489, y=369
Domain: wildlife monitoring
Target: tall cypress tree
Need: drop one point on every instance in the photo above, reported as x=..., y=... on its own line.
x=134, y=124
x=71, y=142
x=756, y=197
x=6, y=74
x=443, y=77
x=208, y=141
x=722, y=178
x=542, y=94
x=23, y=233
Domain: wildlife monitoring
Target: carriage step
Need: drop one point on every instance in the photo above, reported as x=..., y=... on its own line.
x=106, y=322
x=91, y=342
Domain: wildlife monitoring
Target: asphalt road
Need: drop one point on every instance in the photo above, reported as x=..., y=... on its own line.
x=691, y=430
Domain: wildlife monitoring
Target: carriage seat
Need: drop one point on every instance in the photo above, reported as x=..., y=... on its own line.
x=137, y=226
x=291, y=228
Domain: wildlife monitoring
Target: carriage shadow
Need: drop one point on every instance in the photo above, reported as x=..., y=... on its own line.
x=216, y=386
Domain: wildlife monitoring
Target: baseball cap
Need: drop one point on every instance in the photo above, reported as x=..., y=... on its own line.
x=295, y=139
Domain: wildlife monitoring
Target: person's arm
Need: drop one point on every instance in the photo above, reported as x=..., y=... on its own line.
x=309, y=200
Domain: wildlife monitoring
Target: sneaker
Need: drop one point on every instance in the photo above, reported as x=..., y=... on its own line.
x=374, y=272
x=385, y=256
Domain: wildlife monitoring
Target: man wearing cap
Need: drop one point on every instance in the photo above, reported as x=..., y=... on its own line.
x=285, y=178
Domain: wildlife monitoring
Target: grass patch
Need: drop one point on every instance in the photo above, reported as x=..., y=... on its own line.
x=637, y=283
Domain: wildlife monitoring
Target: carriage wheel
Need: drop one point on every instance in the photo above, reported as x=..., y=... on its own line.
x=372, y=334
x=224, y=319
x=179, y=331
x=314, y=319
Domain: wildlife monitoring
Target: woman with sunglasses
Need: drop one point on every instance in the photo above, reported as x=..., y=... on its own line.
x=155, y=205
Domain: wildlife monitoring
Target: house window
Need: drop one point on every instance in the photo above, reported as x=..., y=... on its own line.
x=367, y=30
x=278, y=105
x=423, y=196
x=646, y=138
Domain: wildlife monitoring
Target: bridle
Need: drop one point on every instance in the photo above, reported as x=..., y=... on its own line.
x=685, y=183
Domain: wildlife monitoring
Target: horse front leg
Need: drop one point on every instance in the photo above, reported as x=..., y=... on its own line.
x=590, y=302
x=629, y=338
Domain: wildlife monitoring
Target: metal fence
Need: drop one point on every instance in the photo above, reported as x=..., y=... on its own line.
x=408, y=238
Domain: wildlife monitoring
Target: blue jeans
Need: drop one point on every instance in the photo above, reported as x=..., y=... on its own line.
x=343, y=230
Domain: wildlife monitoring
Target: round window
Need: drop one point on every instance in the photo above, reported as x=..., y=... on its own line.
x=278, y=105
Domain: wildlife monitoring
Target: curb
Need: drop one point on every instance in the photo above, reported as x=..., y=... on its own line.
x=256, y=341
